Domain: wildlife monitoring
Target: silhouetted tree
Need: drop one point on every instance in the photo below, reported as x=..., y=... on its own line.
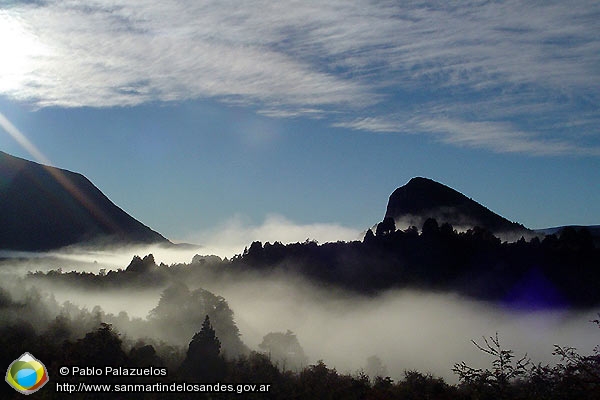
x=387, y=226
x=430, y=227
x=255, y=252
x=140, y=265
x=369, y=237
x=417, y=385
x=447, y=230
x=497, y=381
x=203, y=361
x=100, y=347
x=144, y=355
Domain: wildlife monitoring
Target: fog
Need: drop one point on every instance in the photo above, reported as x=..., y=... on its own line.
x=461, y=224
x=406, y=329
x=233, y=235
x=429, y=332
x=224, y=240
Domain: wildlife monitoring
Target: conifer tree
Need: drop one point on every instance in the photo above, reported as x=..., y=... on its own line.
x=205, y=343
x=203, y=361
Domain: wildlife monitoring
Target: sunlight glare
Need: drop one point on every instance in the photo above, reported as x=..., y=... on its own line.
x=19, y=49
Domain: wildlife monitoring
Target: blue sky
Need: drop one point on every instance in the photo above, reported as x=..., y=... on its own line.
x=195, y=115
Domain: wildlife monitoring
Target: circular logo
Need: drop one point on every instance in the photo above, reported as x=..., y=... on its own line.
x=26, y=374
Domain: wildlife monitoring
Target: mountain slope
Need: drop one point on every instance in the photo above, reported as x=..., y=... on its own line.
x=593, y=229
x=423, y=198
x=44, y=208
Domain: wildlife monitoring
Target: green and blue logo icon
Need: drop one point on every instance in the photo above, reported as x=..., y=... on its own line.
x=26, y=374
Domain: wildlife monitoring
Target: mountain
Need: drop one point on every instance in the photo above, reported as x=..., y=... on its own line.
x=538, y=272
x=43, y=208
x=594, y=231
x=423, y=198
x=557, y=230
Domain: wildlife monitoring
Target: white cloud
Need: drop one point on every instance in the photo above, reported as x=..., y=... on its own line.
x=346, y=59
x=282, y=113
x=500, y=137
x=372, y=124
x=124, y=54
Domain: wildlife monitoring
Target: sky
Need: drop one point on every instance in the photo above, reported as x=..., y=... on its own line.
x=277, y=116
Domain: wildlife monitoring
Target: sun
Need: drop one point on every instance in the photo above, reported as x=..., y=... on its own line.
x=20, y=50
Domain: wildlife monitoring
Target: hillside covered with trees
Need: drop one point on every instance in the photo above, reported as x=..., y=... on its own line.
x=553, y=272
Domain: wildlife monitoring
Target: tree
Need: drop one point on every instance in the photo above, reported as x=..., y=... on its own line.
x=203, y=360
x=387, y=226
x=284, y=349
x=498, y=380
x=179, y=313
x=140, y=265
x=144, y=355
x=369, y=237
x=98, y=348
x=430, y=227
x=584, y=368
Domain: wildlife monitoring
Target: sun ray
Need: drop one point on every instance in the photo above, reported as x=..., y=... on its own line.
x=22, y=140
x=56, y=173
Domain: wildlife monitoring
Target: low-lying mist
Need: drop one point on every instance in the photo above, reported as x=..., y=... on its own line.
x=233, y=235
x=406, y=329
x=224, y=240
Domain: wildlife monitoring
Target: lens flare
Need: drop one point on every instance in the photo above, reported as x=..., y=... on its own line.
x=56, y=173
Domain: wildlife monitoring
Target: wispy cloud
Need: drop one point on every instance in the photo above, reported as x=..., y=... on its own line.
x=372, y=124
x=500, y=137
x=357, y=63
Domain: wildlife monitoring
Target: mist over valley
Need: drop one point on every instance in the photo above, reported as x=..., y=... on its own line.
x=407, y=328
x=393, y=303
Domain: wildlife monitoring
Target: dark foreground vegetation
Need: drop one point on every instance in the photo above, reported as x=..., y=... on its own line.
x=81, y=338
x=191, y=333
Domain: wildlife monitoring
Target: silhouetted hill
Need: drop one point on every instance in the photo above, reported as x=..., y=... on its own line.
x=44, y=208
x=423, y=198
x=593, y=229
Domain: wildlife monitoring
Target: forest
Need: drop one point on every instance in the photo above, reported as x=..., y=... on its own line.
x=192, y=332
x=552, y=271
